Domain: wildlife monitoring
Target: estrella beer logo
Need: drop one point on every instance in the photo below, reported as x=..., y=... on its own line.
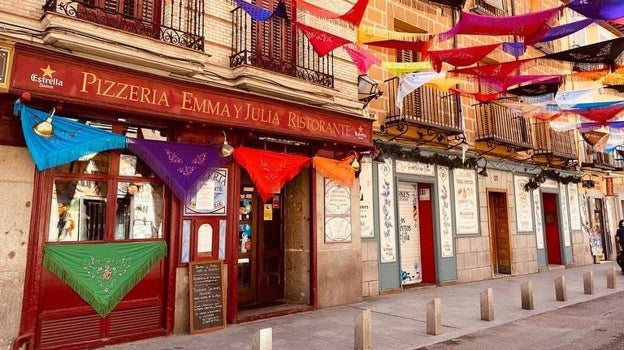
x=360, y=134
x=46, y=79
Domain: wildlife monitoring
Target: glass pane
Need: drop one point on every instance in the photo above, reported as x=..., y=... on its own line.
x=204, y=239
x=139, y=210
x=94, y=163
x=131, y=165
x=78, y=211
x=185, y=249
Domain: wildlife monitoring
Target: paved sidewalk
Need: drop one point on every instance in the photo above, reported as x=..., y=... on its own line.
x=399, y=319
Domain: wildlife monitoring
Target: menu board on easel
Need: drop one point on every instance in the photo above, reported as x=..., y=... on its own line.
x=206, y=288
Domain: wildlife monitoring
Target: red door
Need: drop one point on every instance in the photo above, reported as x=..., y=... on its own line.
x=551, y=224
x=427, y=247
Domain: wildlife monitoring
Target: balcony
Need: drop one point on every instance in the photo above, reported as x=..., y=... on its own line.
x=618, y=158
x=553, y=148
x=177, y=22
x=276, y=45
x=497, y=8
x=501, y=131
x=596, y=160
x=429, y=116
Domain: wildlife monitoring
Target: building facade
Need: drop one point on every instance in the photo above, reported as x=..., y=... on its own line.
x=465, y=191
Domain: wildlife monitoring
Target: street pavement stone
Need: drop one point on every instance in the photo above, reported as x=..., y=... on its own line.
x=399, y=320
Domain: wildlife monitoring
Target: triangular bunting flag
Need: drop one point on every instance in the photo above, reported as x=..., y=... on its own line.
x=69, y=140
x=181, y=166
x=321, y=41
x=102, y=274
x=269, y=171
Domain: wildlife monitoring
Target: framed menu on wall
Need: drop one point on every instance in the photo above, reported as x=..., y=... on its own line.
x=337, y=212
x=524, y=208
x=466, y=209
x=211, y=197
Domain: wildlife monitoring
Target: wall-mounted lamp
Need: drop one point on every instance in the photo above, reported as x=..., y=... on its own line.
x=376, y=154
x=44, y=128
x=368, y=90
x=355, y=163
x=482, y=172
x=226, y=148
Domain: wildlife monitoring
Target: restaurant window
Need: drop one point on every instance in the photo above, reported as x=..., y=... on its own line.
x=107, y=196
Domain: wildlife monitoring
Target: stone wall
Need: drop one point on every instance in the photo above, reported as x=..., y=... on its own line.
x=16, y=190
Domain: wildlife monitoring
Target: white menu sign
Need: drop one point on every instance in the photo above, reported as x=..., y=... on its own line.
x=466, y=210
x=524, y=212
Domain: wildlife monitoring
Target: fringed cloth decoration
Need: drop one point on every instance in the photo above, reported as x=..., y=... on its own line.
x=564, y=30
x=446, y=83
x=400, y=68
x=102, y=274
x=605, y=52
x=363, y=59
x=500, y=70
x=599, y=9
x=516, y=49
x=367, y=34
x=268, y=170
x=536, y=89
x=420, y=46
x=501, y=84
x=596, y=139
x=412, y=81
x=600, y=114
x=353, y=16
x=479, y=96
x=460, y=57
x=260, y=14
x=337, y=170
x=181, y=166
x=70, y=140
x=531, y=26
x=322, y=42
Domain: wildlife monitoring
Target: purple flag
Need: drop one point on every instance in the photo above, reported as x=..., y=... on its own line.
x=181, y=166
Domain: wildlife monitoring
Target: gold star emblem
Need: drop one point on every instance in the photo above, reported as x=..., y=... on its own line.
x=47, y=71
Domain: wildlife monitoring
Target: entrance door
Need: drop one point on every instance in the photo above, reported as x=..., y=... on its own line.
x=261, y=249
x=551, y=225
x=599, y=224
x=499, y=232
x=427, y=246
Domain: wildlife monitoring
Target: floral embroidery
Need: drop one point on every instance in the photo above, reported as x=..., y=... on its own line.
x=106, y=272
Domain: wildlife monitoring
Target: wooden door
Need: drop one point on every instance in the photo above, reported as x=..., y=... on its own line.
x=499, y=232
x=551, y=226
x=427, y=246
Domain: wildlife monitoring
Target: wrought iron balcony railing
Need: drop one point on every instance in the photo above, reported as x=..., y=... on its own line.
x=501, y=126
x=618, y=158
x=178, y=22
x=597, y=160
x=491, y=8
x=426, y=108
x=277, y=46
x=553, y=148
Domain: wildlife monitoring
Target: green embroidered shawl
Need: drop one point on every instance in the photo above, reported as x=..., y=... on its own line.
x=102, y=274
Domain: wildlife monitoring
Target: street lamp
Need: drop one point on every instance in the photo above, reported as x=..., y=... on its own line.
x=368, y=90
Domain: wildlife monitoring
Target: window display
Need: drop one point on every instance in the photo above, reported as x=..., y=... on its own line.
x=82, y=207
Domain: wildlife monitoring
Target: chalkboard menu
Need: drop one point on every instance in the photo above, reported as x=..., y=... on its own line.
x=206, y=287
